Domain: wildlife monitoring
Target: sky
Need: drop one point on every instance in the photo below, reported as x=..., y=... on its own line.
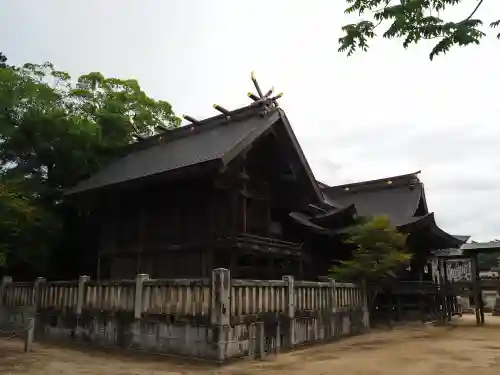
x=380, y=113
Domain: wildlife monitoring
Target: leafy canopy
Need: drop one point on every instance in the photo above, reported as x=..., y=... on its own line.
x=3, y=60
x=54, y=132
x=379, y=250
x=413, y=21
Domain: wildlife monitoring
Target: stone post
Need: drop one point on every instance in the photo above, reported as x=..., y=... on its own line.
x=333, y=295
x=366, y=305
x=37, y=291
x=6, y=280
x=290, y=309
x=221, y=310
x=29, y=332
x=138, y=308
x=333, y=308
x=80, y=299
x=331, y=305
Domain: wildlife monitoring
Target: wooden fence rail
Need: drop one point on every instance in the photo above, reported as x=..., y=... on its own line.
x=184, y=297
x=177, y=297
x=216, y=318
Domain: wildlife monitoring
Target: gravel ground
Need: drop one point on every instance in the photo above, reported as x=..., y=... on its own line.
x=461, y=348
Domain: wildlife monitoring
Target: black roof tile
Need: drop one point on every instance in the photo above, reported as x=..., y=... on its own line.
x=209, y=140
x=396, y=197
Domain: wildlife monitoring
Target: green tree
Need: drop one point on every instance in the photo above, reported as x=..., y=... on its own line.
x=3, y=61
x=55, y=131
x=413, y=21
x=379, y=251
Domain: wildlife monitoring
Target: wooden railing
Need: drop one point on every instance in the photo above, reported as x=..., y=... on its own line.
x=257, y=296
x=18, y=294
x=273, y=296
x=109, y=295
x=310, y=295
x=183, y=297
x=188, y=297
x=59, y=294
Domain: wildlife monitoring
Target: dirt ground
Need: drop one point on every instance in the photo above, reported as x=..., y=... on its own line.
x=461, y=348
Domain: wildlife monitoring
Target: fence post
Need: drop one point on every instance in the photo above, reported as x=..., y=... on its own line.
x=6, y=280
x=221, y=309
x=138, y=308
x=333, y=307
x=80, y=300
x=37, y=289
x=29, y=334
x=366, y=306
x=290, y=309
x=333, y=295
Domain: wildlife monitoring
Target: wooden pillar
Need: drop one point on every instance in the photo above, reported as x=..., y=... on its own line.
x=140, y=238
x=390, y=306
x=399, y=309
x=421, y=299
x=480, y=291
x=202, y=262
x=211, y=222
x=435, y=310
x=447, y=291
x=244, y=200
x=270, y=267
x=209, y=262
x=475, y=287
x=442, y=291
x=233, y=263
x=234, y=211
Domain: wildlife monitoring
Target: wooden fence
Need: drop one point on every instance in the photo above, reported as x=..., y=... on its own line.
x=215, y=303
x=187, y=297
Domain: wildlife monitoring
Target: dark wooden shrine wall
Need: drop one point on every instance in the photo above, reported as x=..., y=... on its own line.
x=155, y=216
x=184, y=263
x=167, y=230
x=267, y=188
x=253, y=193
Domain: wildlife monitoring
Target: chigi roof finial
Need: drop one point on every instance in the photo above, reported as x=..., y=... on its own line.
x=223, y=110
x=261, y=97
x=190, y=119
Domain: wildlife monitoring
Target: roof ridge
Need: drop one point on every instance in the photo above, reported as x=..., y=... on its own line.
x=239, y=114
x=375, y=182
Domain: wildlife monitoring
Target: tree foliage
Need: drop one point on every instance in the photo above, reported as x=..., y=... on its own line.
x=413, y=21
x=3, y=61
x=54, y=132
x=379, y=251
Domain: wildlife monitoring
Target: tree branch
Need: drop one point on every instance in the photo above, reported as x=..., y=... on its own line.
x=475, y=10
x=387, y=3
